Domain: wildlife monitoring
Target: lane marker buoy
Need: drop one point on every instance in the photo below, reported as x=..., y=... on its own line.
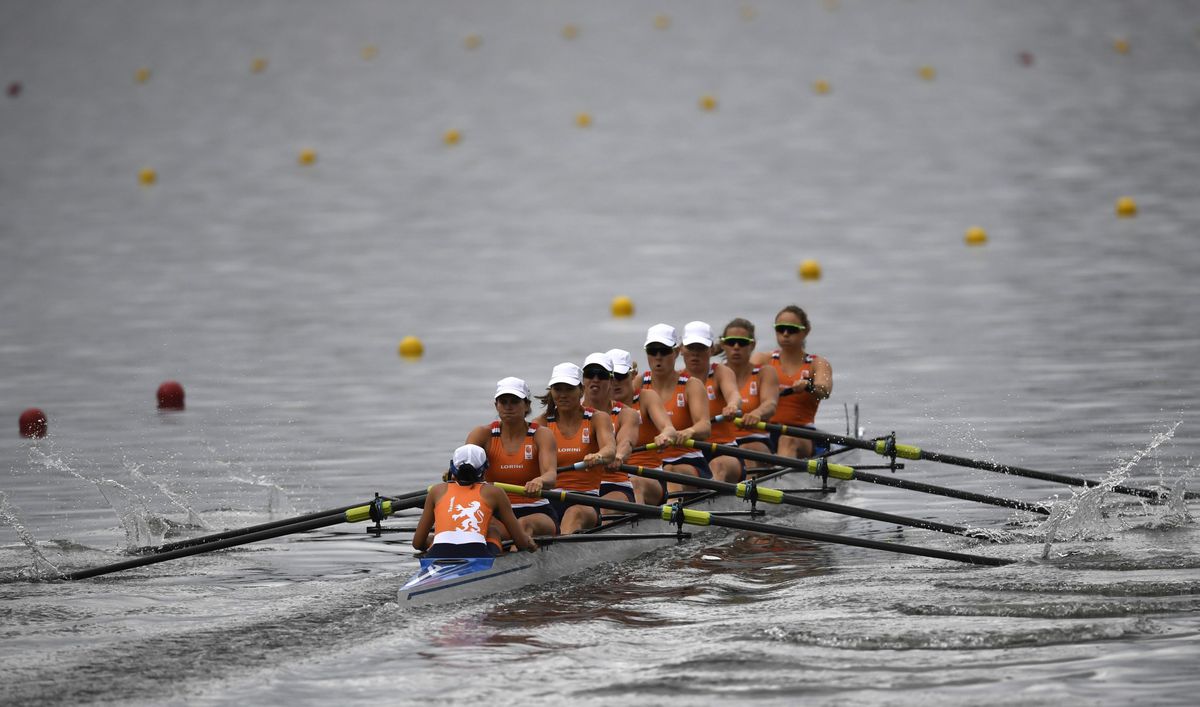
x=810, y=270
x=622, y=306
x=170, y=396
x=33, y=423
x=410, y=347
x=975, y=235
x=1126, y=207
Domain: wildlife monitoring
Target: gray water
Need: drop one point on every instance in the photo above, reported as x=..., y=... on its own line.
x=277, y=295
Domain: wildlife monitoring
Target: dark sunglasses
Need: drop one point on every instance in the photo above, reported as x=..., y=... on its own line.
x=737, y=340
x=658, y=351
x=596, y=372
x=788, y=328
x=620, y=376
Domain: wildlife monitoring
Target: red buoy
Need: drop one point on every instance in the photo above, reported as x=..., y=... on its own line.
x=14, y=89
x=1026, y=58
x=170, y=396
x=33, y=423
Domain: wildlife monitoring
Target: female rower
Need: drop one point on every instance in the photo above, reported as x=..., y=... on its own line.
x=684, y=400
x=804, y=379
x=581, y=435
x=459, y=512
x=626, y=390
x=720, y=386
x=758, y=385
x=598, y=377
x=520, y=453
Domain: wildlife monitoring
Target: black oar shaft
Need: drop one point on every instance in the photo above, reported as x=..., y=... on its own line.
x=695, y=517
x=906, y=451
x=770, y=495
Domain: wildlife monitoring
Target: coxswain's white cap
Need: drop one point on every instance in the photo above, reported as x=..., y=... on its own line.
x=471, y=454
x=661, y=334
x=512, y=386
x=599, y=359
x=622, y=361
x=566, y=372
x=697, y=333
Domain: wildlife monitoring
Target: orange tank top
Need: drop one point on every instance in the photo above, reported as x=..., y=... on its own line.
x=461, y=516
x=751, y=399
x=800, y=407
x=517, y=467
x=723, y=432
x=610, y=476
x=676, y=405
x=573, y=449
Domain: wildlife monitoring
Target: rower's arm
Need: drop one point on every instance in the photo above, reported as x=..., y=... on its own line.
x=606, y=442
x=697, y=400
x=627, y=433
x=727, y=384
x=420, y=540
x=547, y=462
x=503, y=512
x=822, y=378
x=768, y=397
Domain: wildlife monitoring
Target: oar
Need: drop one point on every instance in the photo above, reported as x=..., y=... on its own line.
x=679, y=515
x=191, y=542
x=770, y=495
x=354, y=514
x=848, y=473
x=888, y=448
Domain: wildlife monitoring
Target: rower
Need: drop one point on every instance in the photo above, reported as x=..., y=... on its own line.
x=626, y=384
x=599, y=378
x=805, y=379
x=460, y=511
x=724, y=398
x=581, y=435
x=684, y=401
x=758, y=385
x=521, y=453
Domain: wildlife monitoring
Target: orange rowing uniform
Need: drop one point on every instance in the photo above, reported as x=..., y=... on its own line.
x=609, y=476
x=722, y=432
x=461, y=516
x=573, y=449
x=751, y=399
x=799, y=407
x=646, y=433
x=679, y=414
x=517, y=467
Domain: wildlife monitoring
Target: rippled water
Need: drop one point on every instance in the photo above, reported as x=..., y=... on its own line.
x=277, y=294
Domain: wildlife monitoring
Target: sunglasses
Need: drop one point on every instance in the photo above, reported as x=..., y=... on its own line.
x=658, y=351
x=737, y=340
x=620, y=376
x=788, y=328
x=696, y=347
x=596, y=372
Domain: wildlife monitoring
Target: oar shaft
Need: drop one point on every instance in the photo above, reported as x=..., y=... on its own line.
x=921, y=487
x=770, y=495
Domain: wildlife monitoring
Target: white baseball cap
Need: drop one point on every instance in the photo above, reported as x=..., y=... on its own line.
x=697, y=333
x=622, y=361
x=566, y=372
x=471, y=454
x=661, y=334
x=512, y=386
x=599, y=359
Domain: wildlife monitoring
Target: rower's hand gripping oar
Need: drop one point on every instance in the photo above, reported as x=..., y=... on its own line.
x=381, y=508
x=887, y=447
x=679, y=515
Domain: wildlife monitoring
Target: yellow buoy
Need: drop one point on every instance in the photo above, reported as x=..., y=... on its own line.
x=1121, y=46
x=570, y=32
x=810, y=270
x=622, y=306
x=147, y=177
x=472, y=41
x=662, y=22
x=583, y=120
x=708, y=102
x=821, y=87
x=369, y=52
x=1126, y=207
x=748, y=12
x=975, y=235
x=258, y=66
x=307, y=156
x=452, y=136
x=410, y=347
x=142, y=75
x=927, y=72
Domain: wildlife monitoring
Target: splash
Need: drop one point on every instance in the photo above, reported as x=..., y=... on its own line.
x=42, y=568
x=277, y=498
x=194, y=519
x=1083, y=516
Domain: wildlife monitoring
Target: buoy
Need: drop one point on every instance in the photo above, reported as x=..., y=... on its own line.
x=821, y=87
x=975, y=235
x=708, y=102
x=583, y=120
x=258, y=66
x=472, y=41
x=1126, y=207
x=622, y=306
x=927, y=72
x=570, y=32
x=170, y=396
x=147, y=177
x=307, y=157
x=810, y=270
x=1026, y=58
x=33, y=423
x=831, y=5
x=142, y=75
x=452, y=136
x=1121, y=46
x=748, y=12
x=662, y=22
x=14, y=89
x=369, y=52
x=410, y=347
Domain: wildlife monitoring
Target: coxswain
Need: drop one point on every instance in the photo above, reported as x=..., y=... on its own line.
x=805, y=379
x=520, y=453
x=758, y=385
x=724, y=398
x=459, y=512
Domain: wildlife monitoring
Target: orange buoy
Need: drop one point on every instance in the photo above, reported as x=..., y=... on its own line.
x=170, y=396
x=33, y=423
